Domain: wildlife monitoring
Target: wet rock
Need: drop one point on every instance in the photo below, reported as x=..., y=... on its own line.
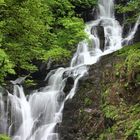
x=69, y=85
x=46, y=67
x=137, y=35
x=99, y=30
x=82, y=115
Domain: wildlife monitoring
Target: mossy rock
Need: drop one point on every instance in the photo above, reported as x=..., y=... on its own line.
x=4, y=137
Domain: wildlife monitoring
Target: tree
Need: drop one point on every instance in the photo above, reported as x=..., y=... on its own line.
x=130, y=8
x=33, y=30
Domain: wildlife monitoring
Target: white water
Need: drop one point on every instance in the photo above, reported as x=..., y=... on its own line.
x=35, y=117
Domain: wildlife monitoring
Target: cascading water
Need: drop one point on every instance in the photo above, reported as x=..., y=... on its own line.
x=35, y=117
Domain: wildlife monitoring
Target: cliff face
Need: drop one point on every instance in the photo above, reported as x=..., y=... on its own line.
x=106, y=105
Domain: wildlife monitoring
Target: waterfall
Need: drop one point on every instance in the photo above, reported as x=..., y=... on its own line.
x=106, y=8
x=37, y=116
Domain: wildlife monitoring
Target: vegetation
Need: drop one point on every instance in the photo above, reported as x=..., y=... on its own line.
x=120, y=101
x=109, y=103
x=39, y=30
x=33, y=30
x=4, y=137
x=6, y=66
x=130, y=9
x=84, y=7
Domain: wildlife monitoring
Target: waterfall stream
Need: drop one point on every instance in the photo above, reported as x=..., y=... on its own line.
x=36, y=116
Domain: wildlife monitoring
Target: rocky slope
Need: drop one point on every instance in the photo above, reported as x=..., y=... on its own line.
x=106, y=106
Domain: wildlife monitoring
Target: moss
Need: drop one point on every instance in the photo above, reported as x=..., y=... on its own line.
x=127, y=122
x=87, y=101
x=120, y=97
x=124, y=51
x=110, y=111
x=29, y=83
x=108, y=134
x=4, y=137
x=109, y=102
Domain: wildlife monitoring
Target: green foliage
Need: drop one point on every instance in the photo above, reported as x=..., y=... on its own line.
x=133, y=129
x=57, y=54
x=87, y=101
x=108, y=134
x=33, y=30
x=73, y=28
x=124, y=51
x=64, y=8
x=83, y=7
x=120, y=97
x=110, y=111
x=129, y=70
x=84, y=3
x=4, y=137
x=131, y=8
x=30, y=83
x=134, y=125
x=126, y=119
x=6, y=66
x=133, y=60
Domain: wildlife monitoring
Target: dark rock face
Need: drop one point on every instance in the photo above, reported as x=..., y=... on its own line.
x=82, y=115
x=45, y=67
x=99, y=30
x=107, y=99
x=137, y=35
x=89, y=15
x=86, y=13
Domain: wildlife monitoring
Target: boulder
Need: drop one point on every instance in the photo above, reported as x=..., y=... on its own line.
x=99, y=30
